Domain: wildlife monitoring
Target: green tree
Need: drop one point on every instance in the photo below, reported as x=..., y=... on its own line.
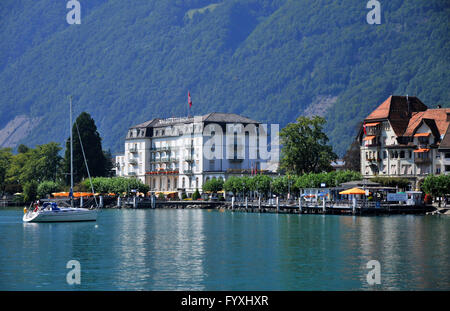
x=5, y=162
x=437, y=186
x=92, y=144
x=233, y=184
x=261, y=183
x=305, y=147
x=30, y=191
x=46, y=188
x=213, y=185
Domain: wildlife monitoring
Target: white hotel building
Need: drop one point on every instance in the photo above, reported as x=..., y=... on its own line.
x=169, y=154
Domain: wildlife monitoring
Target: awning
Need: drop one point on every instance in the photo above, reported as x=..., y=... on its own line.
x=369, y=137
x=422, y=134
x=372, y=124
x=422, y=150
x=353, y=191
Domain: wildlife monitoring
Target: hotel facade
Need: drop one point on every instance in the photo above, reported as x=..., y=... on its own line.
x=180, y=154
x=404, y=138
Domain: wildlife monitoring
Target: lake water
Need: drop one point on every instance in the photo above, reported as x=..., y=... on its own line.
x=212, y=250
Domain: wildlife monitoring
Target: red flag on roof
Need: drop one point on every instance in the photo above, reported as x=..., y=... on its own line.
x=189, y=99
x=364, y=127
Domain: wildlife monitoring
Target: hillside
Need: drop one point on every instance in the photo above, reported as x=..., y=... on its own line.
x=269, y=60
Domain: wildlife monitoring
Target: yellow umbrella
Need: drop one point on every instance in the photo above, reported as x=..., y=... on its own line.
x=353, y=191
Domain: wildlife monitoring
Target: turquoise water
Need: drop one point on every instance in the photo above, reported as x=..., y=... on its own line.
x=211, y=250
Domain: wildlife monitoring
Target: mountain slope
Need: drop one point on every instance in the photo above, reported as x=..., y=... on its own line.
x=131, y=61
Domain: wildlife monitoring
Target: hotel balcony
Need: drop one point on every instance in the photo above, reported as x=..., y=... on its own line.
x=373, y=160
x=131, y=173
x=133, y=149
x=165, y=159
x=133, y=161
x=422, y=160
x=188, y=172
x=189, y=158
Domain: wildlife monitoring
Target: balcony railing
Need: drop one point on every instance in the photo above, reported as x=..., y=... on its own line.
x=189, y=158
x=188, y=171
x=422, y=160
x=131, y=173
x=132, y=161
x=133, y=149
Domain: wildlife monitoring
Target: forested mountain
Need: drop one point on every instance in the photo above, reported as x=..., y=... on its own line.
x=130, y=61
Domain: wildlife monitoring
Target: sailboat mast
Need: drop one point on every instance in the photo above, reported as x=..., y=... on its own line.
x=71, y=154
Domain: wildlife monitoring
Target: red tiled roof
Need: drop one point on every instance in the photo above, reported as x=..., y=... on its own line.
x=440, y=117
x=445, y=143
x=398, y=110
x=405, y=116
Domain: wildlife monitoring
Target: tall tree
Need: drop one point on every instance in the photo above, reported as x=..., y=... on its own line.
x=5, y=162
x=304, y=147
x=92, y=144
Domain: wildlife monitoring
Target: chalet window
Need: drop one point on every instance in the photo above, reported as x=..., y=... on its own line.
x=402, y=154
x=447, y=155
x=410, y=154
x=447, y=168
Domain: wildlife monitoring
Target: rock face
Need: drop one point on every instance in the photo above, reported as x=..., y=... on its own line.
x=16, y=130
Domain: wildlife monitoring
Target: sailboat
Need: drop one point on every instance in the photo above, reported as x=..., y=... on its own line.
x=50, y=211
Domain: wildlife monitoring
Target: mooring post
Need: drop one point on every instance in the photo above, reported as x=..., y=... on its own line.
x=300, y=205
x=278, y=205
x=81, y=201
x=134, y=202
x=118, y=201
x=354, y=203
x=323, y=205
x=259, y=203
x=246, y=203
x=101, y=202
x=232, y=202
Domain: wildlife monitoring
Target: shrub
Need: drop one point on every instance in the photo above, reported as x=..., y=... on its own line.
x=196, y=195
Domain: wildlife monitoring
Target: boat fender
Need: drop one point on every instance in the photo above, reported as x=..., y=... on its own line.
x=25, y=210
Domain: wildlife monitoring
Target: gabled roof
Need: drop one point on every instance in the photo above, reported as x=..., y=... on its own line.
x=396, y=107
x=445, y=143
x=398, y=110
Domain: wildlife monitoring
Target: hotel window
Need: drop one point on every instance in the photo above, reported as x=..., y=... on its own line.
x=196, y=182
x=447, y=155
x=183, y=182
x=168, y=184
x=402, y=154
x=438, y=170
x=447, y=168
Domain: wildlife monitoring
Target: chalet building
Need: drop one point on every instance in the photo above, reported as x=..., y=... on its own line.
x=404, y=138
x=169, y=154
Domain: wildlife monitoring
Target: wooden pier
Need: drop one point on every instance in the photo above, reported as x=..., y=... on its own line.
x=329, y=208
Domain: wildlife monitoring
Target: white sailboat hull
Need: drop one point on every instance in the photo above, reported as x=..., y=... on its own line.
x=62, y=215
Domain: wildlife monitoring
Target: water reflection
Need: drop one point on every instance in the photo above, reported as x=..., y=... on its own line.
x=208, y=250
